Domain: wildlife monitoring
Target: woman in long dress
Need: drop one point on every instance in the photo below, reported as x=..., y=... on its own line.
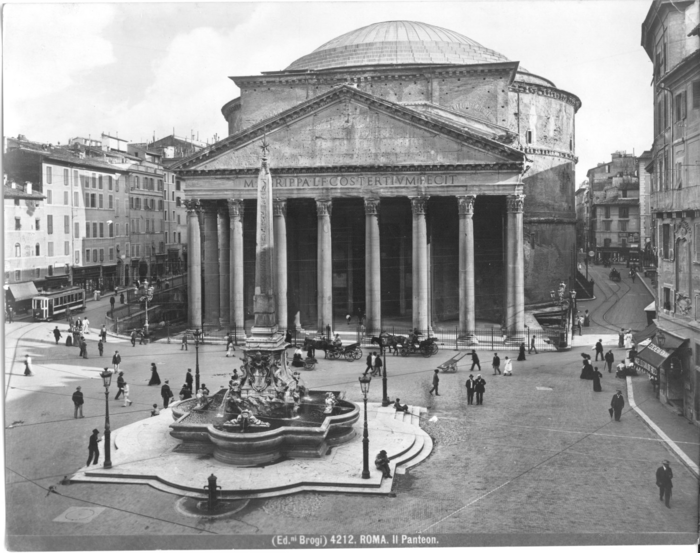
x=508, y=367
x=628, y=340
x=596, y=380
x=155, y=378
x=521, y=355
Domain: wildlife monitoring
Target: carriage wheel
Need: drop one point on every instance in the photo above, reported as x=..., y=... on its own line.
x=404, y=352
x=433, y=349
x=425, y=351
x=348, y=356
x=356, y=353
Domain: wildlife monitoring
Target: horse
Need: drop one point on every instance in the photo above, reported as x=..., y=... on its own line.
x=391, y=341
x=320, y=342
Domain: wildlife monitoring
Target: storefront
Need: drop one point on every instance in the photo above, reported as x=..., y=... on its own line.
x=88, y=278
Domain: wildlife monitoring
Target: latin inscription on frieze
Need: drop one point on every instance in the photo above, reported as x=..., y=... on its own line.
x=354, y=181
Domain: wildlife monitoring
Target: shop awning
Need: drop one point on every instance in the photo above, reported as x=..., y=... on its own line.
x=651, y=307
x=653, y=356
x=645, y=334
x=23, y=290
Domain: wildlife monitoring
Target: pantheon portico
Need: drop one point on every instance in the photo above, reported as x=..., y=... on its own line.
x=417, y=176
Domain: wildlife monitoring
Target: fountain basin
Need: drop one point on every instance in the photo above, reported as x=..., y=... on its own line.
x=309, y=434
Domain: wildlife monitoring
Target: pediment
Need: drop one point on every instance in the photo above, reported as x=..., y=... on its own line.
x=346, y=127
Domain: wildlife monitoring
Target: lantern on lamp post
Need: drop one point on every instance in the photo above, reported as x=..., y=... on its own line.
x=365, y=379
x=106, y=375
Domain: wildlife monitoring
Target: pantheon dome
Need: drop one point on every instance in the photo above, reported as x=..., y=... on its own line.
x=397, y=42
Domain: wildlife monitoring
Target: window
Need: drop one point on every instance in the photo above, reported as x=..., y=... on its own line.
x=659, y=117
x=77, y=257
x=37, y=250
x=179, y=237
x=111, y=254
x=136, y=182
x=679, y=174
x=94, y=230
x=66, y=198
x=606, y=242
x=624, y=193
x=111, y=230
x=66, y=224
x=75, y=177
x=16, y=201
x=66, y=248
x=49, y=224
x=65, y=177
x=177, y=185
x=37, y=224
x=48, y=175
x=110, y=182
x=102, y=230
x=160, y=205
x=607, y=168
x=18, y=275
x=102, y=255
x=101, y=202
x=680, y=107
x=622, y=225
x=166, y=236
x=131, y=202
x=624, y=212
x=87, y=199
x=177, y=202
x=116, y=185
x=165, y=215
x=87, y=256
x=126, y=229
x=607, y=212
x=606, y=225
x=99, y=182
x=162, y=225
x=110, y=202
x=50, y=246
x=18, y=223
x=178, y=218
x=76, y=199
x=126, y=206
x=18, y=250
x=667, y=295
x=49, y=197
x=94, y=180
x=528, y=137
x=666, y=241
x=94, y=255
x=76, y=230
x=127, y=249
x=160, y=184
x=116, y=229
x=696, y=102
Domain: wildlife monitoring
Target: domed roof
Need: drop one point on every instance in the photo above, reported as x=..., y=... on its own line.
x=397, y=42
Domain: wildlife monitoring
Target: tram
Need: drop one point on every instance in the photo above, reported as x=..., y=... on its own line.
x=51, y=305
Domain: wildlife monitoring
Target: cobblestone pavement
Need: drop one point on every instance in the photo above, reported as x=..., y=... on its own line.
x=540, y=458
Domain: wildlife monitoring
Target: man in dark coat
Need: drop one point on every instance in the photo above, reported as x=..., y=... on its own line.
x=599, y=350
x=185, y=392
x=479, y=388
x=166, y=393
x=664, y=477
x=121, y=298
x=436, y=382
x=133, y=338
x=116, y=360
x=617, y=403
x=57, y=334
x=111, y=303
x=93, y=449
x=83, y=348
x=120, y=385
x=496, y=364
x=100, y=347
x=471, y=385
x=475, y=360
x=103, y=333
x=188, y=378
x=78, y=403
x=609, y=360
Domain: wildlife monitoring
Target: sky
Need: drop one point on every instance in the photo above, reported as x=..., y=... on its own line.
x=139, y=70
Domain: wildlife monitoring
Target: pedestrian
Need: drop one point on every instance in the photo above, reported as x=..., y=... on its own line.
x=507, y=366
x=133, y=338
x=100, y=347
x=229, y=343
x=470, y=389
x=103, y=333
x=288, y=336
x=230, y=349
x=532, y=345
x=11, y=314
x=609, y=360
x=86, y=325
x=579, y=324
x=116, y=360
x=633, y=275
x=311, y=351
x=57, y=334
x=521, y=354
x=436, y=382
x=479, y=388
x=617, y=403
x=28, y=366
x=586, y=318
x=120, y=385
x=127, y=401
x=121, y=298
x=93, y=450
x=382, y=463
x=185, y=392
x=370, y=362
x=628, y=339
x=596, y=380
x=496, y=364
x=83, y=348
x=183, y=344
x=143, y=336
x=621, y=338
x=155, y=377
x=188, y=379
x=155, y=411
x=166, y=393
x=78, y=401
x=599, y=350
x=475, y=360
x=111, y=303
x=664, y=477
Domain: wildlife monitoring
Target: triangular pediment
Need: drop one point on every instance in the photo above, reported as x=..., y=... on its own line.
x=346, y=127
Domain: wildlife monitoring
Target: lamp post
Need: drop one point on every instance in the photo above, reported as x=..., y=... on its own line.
x=107, y=380
x=146, y=294
x=567, y=301
x=364, y=386
x=385, y=399
x=197, y=334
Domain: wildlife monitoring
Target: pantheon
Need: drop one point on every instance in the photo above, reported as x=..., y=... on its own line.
x=418, y=176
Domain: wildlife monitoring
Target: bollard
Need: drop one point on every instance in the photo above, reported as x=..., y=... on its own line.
x=212, y=500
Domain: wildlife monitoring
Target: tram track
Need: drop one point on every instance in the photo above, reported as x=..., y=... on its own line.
x=609, y=294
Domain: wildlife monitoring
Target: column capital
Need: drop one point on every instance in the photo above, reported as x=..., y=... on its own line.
x=279, y=207
x=193, y=205
x=235, y=207
x=371, y=206
x=419, y=204
x=221, y=210
x=515, y=203
x=324, y=207
x=466, y=205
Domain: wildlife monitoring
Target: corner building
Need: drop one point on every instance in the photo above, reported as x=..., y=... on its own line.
x=418, y=176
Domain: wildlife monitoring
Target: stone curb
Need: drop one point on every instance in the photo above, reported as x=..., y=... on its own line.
x=687, y=461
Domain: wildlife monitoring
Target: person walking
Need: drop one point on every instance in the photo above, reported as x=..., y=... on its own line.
x=100, y=347
x=120, y=385
x=496, y=364
x=377, y=367
x=103, y=333
x=155, y=377
x=617, y=403
x=10, y=314
x=664, y=477
x=475, y=360
x=83, y=348
x=633, y=275
x=86, y=325
x=621, y=338
x=125, y=389
x=28, y=366
x=470, y=389
x=479, y=388
x=188, y=379
x=116, y=360
x=230, y=349
x=436, y=382
x=121, y=298
x=111, y=303
x=93, y=450
x=532, y=345
x=609, y=360
x=133, y=338
x=166, y=393
x=143, y=336
x=78, y=401
x=370, y=362
x=508, y=366
x=229, y=344
x=596, y=380
x=56, y=334
x=183, y=344
x=521, y=353
x=586, y=318
x=599, y=350
x=628, y=339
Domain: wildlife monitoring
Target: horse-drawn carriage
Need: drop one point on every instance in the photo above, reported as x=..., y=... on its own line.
x=349, y=353
x=425, y=347
x=405, y=345
x=615, y=275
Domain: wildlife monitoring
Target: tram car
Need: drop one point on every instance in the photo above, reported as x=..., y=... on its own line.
x=55, y=304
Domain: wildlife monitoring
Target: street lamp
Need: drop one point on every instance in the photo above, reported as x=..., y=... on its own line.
x=385, y=400
x=365, y=379
x=197, y=334
x=146, y=294
x=106, y=375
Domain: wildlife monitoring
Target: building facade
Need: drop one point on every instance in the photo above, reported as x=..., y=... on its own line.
x=670, y=37
x=418, y=176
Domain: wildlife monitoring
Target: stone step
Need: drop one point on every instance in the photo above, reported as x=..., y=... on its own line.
x=419, y=457
x=411, y=453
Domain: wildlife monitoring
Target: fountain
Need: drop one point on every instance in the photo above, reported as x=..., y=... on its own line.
x=267, y=413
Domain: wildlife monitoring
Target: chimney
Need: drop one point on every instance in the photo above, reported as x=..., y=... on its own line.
x=28, y=187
